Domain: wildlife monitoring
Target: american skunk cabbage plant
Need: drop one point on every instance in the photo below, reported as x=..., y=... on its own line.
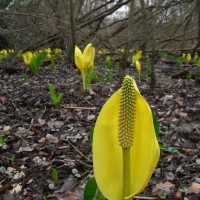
x=136, y=60
x=33, y=61
x=55, y=97
x=85, y=63
x=125, y=147
x=188, y=57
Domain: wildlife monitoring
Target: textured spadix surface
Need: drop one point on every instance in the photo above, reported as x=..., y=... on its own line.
x=107, y=152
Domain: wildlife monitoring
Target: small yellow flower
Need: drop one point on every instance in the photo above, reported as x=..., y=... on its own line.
x=188, y=57
x=49, y=55
x=48, y=50
x=10, y=50
x=108, y=58
x=27, y=57
x=183, y=55
x=84, y=62
x=4, y=52
x=121, y=50
x=135, y=59
x=57, y=51
x=138, y=67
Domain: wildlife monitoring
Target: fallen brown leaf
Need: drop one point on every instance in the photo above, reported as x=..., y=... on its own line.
x=194, y=189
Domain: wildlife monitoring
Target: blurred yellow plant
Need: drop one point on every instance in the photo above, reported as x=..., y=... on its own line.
x=183, y=55
x=196, y=56
x=57, y=51
x=27, y=57
x=4, y=52
x=136, y=59
x=32, y=60
x=125, y=147
x=188, y=57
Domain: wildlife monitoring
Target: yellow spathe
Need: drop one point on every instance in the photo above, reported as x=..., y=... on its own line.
x=85, y=62
x=138, y=67
x=107, y=153
x=86, y=59
x=27, y=57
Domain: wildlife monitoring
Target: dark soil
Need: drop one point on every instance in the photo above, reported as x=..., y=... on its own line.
x=42, y=137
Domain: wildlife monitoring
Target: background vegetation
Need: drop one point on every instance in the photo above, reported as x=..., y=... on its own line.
x=110, y=24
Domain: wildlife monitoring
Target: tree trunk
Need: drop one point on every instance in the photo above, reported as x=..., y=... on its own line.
x=153, y=73
x=145, y=29
x=123, y=60
x=72, y=40
x=198, y=20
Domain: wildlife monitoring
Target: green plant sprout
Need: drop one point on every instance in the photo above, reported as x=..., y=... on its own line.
x=25, y=77
x=3, y=142
x=108, y=62
x=91, y=191
x=44, y=111
x=196, y=56
x=156, y=124
x=189, y=76
x=169, y=149
x=55, y=97
x=197, y=62
x=13, y=158
x=53, y=64
x=178, y=60
x=55, y=175
x=33, y=61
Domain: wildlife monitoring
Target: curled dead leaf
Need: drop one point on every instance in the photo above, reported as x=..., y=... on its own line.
x=194, y=189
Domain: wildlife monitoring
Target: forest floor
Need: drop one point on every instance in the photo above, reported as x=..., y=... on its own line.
x=41, y=137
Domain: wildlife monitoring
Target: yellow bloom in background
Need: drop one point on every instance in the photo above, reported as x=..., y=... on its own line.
x=188, y=57
x=49, y=55
x=47, y=50
x=4, y=52
x=100, y=51
x=108, y=58
x=136, y=59
x=85, y=63
x=183, y=55
x=57, y=51
x=196, y=56
x=40, y=51
x=125, y=147
x=138, y=67
x=137, y=56
x=121, y=50
x=27, y=57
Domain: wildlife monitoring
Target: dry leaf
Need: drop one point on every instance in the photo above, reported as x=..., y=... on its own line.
x=194, y=189
x=52, y=139
x=166, y=187
x=41, y=121
x=169, y=176
x=26, y=148
x=90, y=117
x=16, y=188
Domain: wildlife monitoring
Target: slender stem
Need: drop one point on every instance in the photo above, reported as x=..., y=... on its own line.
x=126, y=172
x=87, y=79
x=83, y=79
